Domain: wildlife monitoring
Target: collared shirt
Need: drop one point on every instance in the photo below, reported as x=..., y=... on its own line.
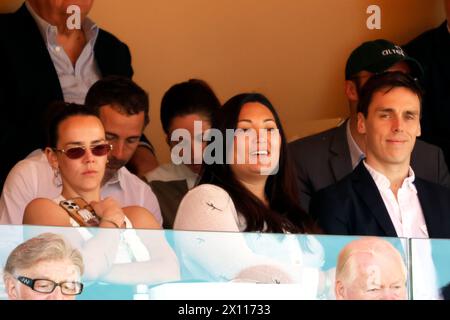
x=173, y=172
x=356, y=153
x=405, y=211
x=34, y=178
x=75, y=80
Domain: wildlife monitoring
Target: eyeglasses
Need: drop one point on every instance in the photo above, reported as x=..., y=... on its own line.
x=97, y=150
x=70, y=288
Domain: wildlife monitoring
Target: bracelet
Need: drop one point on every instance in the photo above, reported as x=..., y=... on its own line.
x=110, y=221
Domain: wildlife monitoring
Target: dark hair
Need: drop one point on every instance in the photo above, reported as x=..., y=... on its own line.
x=388, y=81
x=121, y=93
x=193, y=96
x=284, y=213
x=57, y=113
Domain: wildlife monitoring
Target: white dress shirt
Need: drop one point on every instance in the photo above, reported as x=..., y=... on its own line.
x=173, y=172
x=33, y=178
x=405, y=211
x=407, y=217
x=75, y=80
x=356, y=154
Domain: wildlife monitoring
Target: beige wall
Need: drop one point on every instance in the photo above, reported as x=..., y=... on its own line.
x=293, y=51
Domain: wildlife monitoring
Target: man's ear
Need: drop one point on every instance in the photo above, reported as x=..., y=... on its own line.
x=351, y=91
x=51, y=158
x=419, y=131
x=339, y=290
x=361, y=123
x=11, y=287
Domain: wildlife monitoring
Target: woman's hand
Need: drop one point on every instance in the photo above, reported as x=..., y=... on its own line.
x=109, y=211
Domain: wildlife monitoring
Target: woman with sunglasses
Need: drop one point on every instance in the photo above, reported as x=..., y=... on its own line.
x=77, y=150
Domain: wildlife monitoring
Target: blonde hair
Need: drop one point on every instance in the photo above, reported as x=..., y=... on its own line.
x=44, y=247
x=346, y=269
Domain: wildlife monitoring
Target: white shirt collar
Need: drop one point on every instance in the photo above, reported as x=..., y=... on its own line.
x=191, y=177
x=356, y=153
x=171, y=172
x=383, y=182
x=117, y=178
x=90, y=27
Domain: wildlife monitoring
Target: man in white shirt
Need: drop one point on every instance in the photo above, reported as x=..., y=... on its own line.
x=382, y=196
x=123, y=108
x=45, y=58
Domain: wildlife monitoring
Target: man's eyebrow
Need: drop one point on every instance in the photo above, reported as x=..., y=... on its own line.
x=399, y=281
x=384, y=109
x=391, y=110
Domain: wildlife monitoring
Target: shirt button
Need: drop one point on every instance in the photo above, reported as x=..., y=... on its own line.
x=57, y=48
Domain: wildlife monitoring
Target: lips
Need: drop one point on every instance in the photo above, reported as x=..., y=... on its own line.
x=89, y=172
x=396, y=141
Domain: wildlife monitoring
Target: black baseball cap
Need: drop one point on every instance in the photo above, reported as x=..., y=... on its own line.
x=378, y=55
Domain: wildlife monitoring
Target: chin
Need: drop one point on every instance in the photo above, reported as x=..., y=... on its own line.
x=89, y=186
x=196, y=168
x=260, y=170
x=398, y=159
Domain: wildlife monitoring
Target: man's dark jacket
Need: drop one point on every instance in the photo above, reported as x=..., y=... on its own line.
x=354, y=206
x=29, y=82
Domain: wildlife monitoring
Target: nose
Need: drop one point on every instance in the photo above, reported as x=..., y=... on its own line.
x=117, y=150
x=88, y=156
x=262, y=135
x=397, y=124
x=389, y=294
x=264, y=140
x=196, y=151
x=56, y=294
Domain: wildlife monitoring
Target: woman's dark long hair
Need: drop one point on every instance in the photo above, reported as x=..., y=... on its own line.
x=284, y=213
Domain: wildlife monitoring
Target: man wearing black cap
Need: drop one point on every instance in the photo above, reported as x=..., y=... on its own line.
x=325, y=158
x=383, y=195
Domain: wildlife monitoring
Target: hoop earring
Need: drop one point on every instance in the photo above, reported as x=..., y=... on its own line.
x=57, y=177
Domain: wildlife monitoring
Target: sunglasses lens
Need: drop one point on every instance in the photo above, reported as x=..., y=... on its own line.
x=75, y=153
x=100, y=150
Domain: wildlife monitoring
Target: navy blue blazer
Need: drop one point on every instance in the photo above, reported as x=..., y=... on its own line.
x=29, y=82
x=354, y=206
